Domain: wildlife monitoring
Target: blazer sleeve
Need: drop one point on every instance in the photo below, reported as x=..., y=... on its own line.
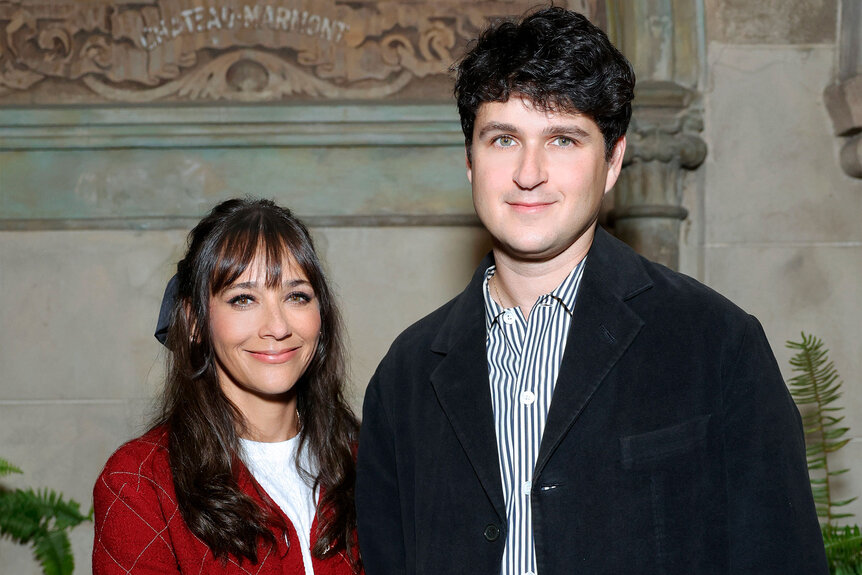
x=379, y=522
x=773, y=524
x=131, y=530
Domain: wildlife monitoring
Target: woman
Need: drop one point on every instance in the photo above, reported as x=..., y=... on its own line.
x=249, y=466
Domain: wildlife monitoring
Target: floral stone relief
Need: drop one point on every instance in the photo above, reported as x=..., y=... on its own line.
x=236, y=50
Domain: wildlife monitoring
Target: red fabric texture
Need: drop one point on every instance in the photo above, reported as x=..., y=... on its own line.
x=139, y=529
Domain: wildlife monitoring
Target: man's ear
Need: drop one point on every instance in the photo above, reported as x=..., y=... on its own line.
x=468, y=163
x=615, y=164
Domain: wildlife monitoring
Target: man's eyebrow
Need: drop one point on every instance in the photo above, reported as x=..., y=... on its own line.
x=570, y=130
x=493, y=127
x=573, y=131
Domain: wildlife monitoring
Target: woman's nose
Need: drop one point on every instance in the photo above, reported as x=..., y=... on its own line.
x=276, y=322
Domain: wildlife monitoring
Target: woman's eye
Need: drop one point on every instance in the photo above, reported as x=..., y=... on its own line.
x=298, y=297
x=242, y=300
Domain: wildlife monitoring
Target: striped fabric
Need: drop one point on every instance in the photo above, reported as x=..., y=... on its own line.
x=523, y=361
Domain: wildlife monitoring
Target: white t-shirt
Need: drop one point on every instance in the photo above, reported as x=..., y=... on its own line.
x=273, y=465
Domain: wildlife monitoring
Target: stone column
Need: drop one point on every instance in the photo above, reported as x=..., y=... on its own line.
x=664, y=40
x=844, y=97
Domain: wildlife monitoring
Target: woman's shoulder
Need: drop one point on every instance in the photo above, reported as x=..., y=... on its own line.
x=145, y=456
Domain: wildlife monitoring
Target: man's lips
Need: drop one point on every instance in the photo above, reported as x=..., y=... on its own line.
x=528, y=206
x=275, y=356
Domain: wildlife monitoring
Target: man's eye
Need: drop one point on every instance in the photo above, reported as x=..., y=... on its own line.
x=505, y=141
x=564, y=141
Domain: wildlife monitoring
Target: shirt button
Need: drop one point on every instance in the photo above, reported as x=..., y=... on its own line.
x=526, y=486
x=528, y=397
x=509, y=317
x=492, y=532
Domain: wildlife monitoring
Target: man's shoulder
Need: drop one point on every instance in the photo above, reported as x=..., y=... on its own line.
x=680, y=290
x=656, y=292
x=679, y=283
x=421, y=333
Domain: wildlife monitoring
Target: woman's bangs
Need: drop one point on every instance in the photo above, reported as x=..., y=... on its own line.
x=245, y=246
x=234, y=254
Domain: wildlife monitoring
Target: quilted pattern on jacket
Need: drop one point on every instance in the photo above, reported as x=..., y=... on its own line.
x=139, y=529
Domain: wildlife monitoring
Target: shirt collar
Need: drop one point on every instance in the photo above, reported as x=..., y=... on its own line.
x=565, y=293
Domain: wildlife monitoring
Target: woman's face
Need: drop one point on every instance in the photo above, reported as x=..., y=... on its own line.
x=264, y=338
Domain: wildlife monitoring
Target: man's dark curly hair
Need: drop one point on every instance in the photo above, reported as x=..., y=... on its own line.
x=557, y=60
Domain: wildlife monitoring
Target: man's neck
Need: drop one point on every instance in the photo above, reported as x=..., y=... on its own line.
x=520, y=282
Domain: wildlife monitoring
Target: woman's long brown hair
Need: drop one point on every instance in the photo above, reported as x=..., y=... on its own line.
x=205, y=427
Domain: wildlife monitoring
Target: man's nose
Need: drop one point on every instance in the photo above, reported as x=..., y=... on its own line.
x=531, y=171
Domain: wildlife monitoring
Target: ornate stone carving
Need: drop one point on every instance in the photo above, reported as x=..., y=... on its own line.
x=662, y=38
x=844, y=97
x=663, y=143
x=235, y=50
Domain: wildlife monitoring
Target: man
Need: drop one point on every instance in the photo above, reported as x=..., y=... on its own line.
x=577, y=409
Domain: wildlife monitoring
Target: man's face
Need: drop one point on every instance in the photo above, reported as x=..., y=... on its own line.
x=538, y=178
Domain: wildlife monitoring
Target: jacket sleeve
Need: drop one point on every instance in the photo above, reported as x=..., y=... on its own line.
x=773, y=525
x=131, y=530
x=379, y=521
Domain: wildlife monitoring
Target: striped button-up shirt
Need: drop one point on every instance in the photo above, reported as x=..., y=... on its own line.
x=523, y=362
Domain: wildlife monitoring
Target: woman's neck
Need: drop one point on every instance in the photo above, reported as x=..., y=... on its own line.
x=270, y=420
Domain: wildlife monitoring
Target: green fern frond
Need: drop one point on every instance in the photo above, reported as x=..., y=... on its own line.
x=19, y=516
x=843, y=549
x=54, y=553
x=7, y=468
x=41, y=519
x=816, y=384
x=24, y=513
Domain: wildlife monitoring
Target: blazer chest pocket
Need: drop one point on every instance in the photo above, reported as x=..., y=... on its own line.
x=651, y=449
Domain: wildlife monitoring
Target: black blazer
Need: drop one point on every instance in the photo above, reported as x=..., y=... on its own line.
x=671, y=446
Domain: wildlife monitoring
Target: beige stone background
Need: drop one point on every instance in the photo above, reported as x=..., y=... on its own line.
x=774, y=224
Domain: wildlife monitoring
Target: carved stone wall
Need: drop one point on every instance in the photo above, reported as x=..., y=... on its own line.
x=168, y=53
x=138, y=114
x=131, y=51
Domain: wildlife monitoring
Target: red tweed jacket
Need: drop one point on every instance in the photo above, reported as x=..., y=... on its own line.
x=140, y=531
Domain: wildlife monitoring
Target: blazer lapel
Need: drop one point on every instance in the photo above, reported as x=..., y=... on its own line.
x=463, y=389
x=603, y=327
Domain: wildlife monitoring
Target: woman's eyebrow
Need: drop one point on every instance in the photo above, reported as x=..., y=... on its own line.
x=253, y=284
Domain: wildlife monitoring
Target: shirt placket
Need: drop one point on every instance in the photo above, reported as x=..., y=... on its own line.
x=525, y=429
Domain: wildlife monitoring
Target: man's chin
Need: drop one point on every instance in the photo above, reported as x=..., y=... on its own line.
x=542, y=251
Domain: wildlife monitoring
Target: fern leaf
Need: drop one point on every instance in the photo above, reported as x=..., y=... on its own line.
x=19, y=516
x=64, y=513
x=835, y=446
x=816, y=383
x=54, y=552
x=7, y=468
